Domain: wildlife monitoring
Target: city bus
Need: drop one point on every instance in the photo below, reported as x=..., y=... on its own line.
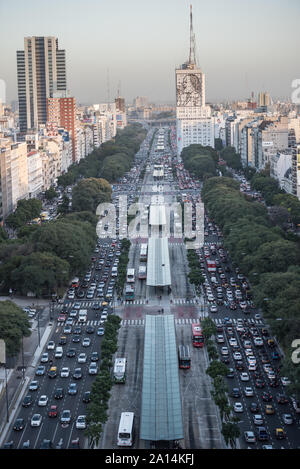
x=144, y=252
x=126, y=429
x=184, y=356
x=142, y=272
x=129, y=292
x=119, y=373
x=197, y=335
x=130, y=276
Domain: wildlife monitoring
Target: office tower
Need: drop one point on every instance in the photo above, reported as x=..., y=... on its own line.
x=263, y=99
x=41, y=69
x=193, y=117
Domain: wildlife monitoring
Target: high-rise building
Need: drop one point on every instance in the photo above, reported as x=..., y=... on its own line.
x=61, y=110
x=193, y=117
x=263, y=99
x=41, y=69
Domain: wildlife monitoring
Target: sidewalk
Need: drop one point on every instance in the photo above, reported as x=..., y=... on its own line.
x=16, y=385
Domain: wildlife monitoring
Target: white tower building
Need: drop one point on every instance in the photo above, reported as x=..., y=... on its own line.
x=193, y=118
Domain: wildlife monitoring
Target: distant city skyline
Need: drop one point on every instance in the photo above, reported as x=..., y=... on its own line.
x=241, y=46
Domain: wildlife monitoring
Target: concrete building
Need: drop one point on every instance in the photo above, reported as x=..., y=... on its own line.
x=14, y=174
x=193, y=118
x=35, y=173
x=41, y=70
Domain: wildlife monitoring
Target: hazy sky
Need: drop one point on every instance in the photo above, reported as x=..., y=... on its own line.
x=242, y=45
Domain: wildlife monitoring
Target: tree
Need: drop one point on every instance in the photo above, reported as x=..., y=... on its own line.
x=89, y=193
x=217, y=368
x=208, y=327
x=50, y=194
x=230, y=431
x=14, y=325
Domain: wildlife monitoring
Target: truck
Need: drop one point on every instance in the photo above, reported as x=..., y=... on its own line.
x=119, y=373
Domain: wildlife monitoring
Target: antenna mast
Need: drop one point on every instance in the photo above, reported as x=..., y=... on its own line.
x=192, y=57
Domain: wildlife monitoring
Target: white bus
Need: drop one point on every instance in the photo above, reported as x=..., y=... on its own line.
x=144, y=251
x=120, y=370
x=142, y=272
x=126, y=427
x=130, y=276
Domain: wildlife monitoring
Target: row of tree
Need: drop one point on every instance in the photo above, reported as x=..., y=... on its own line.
x=14, y=325
x=122, y=266
x=111, y=160
x=100, y=391
x=200, y=161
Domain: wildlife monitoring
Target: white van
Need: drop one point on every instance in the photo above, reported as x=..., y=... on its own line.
x=82, y=315
x=114, y=272
x=58, y=352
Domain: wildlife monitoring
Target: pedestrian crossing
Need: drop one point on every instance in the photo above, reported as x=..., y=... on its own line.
x=176, y=301
x=185, y=321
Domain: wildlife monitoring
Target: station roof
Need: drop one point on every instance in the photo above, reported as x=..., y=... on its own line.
x=157, y=215
x=158, y=263
x=161, y=413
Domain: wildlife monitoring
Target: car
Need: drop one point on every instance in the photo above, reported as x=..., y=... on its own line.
x=74, y=444
x=230, y=373
x=81, y=422
x=77, y=374
x=96, y=305
x=262, y=434
x=59, y=393
x=285, y=381
x=34, y=385
x=46, y=444
x=269, y=409
x=239, y=365
x=103, y=317
x=258, y=419
x=51, y=345
x=232, y=341
x=93, y=369
x=244, y=377
x=281, y=399
x=45, y=357
x=61, y=318
x=90, y=329
x=248, y=391
x=53, y=411
x=77, y=329
x=235, y=392
x=77, y=305
x=65, y=372
x=76, y=339
x=65, y=417
x=43, y=401
x=238, y=407
x=275, y=355
x=86, y=342
x=94, y=357
x=253, y=407
x=249, y=437
x=67, y=329
x=280, y=433
x=259, y=383
x=40, y=371
x=237, y=356
x=266, y=396
x=258, y=341
x=71, y=353
x=19, y=424
x=82, y=358
x=72, y=389
x=36, y=420
x=287, y=419
x=213, y=309
x=52, y=373
x=27, y=401
x=86, y=398
x=220, y=339
x=62, y=339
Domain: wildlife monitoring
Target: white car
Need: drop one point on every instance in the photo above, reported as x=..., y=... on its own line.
x=43, y=401
x=249, y=437
x=249, y=352
x=93, y=369
x=285, y=381
x=51, y=345
x=248, y=391
x=65, y=372
x=232, y=341
x=36, y=420
x=288, y=419
x=244, y=377
x=258, y=419
x=44, y=357
x=81, y=422
x=238, y=407
x=237, y=356
x=82, y=357
x=224, y=351
x=86, y=342
x=220, y=339
x=252, y=366
x=258, y=341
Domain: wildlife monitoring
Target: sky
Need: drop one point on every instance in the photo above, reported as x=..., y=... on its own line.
x=135, y=45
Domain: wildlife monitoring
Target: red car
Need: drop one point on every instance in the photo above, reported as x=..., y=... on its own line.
x=62, y=318
x=53, y=412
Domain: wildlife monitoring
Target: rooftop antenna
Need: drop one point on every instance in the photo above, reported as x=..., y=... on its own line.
x=192, y=57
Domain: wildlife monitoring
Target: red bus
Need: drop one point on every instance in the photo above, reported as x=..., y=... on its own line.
x=197, y=335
